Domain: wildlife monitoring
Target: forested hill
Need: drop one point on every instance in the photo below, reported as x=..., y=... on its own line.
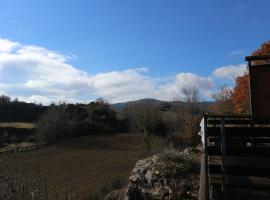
x=17, y=111
x=121, y=106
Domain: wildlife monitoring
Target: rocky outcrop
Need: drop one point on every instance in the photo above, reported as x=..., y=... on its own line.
x=169, y=175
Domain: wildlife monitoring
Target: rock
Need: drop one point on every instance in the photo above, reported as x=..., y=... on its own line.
x=166, y=176
x=149, y=182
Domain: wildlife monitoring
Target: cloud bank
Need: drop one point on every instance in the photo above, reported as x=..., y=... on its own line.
x=36, y=74
x=230, y=71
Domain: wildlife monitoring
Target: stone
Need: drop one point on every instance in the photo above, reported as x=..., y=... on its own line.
x=151, y=180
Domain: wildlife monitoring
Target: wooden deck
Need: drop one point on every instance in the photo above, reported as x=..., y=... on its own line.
x=237, y=157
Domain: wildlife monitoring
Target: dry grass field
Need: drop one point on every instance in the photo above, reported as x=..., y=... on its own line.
x=89, y=161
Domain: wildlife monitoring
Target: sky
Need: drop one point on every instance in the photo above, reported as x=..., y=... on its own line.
x=122, y=50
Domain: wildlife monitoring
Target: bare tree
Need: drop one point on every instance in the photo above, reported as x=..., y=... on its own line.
x=142, y=117
x=223, y=103
x=179, y=112
x=192, y=98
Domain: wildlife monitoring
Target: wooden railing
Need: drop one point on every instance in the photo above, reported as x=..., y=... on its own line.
x=237, y=155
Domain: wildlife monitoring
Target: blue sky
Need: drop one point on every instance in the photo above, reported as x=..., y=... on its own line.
x=127, y=43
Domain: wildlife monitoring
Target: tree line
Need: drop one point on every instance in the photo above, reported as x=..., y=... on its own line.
x=19, y=111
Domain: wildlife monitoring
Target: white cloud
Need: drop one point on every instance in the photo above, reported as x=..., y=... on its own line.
x=234, y=53
x=7, y=45
x=36, y=74
x=124, y=85
x=230, y=71
x=186, y=80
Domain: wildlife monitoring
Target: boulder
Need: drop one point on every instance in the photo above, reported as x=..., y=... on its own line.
x=169, y=175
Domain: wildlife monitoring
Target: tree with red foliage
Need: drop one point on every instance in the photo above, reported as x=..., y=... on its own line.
x=240, y=97
x=241, y=94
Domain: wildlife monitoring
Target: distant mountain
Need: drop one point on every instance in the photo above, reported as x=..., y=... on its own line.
x=121, y=106
x=156, y=102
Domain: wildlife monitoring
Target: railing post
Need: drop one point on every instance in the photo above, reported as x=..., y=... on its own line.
x=223, y=155
x=206, y=158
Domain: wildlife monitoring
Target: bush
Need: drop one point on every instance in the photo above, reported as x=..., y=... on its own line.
x=153, y=143
x=51, y=125
x=64, y=121
x=88, y=127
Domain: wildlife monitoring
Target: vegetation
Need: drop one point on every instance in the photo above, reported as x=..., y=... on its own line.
x=101, y=160
x=237, y=100
x=17, y=111
x=176, y=165
x=69, y=120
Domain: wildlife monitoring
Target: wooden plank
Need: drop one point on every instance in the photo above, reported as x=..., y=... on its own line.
x=256, y=141
x=241, y=161
x=264, y=182
x=241, y=170
x=241, y=131
x=236, y=118
x=248, y=185
x=209, y=116
x=240, y=151
x=229, y=121
x=232, y=140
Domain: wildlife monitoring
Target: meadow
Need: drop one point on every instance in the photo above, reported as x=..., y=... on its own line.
x=89, y=162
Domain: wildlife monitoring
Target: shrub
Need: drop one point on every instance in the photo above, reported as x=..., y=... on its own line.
x=88, y=127
x=64, y=121
x=153, y=143
x=51, y=125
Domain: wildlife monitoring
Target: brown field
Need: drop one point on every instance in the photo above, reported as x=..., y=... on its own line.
x=90, y=161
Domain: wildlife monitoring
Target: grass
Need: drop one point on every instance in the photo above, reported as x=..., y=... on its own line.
x=17, y=125
x=89, y=161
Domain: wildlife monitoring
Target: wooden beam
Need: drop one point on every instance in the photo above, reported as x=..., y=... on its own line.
x=261, y=57
x=240, y=131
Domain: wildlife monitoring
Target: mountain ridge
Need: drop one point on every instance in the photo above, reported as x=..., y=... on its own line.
x=122, y=105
